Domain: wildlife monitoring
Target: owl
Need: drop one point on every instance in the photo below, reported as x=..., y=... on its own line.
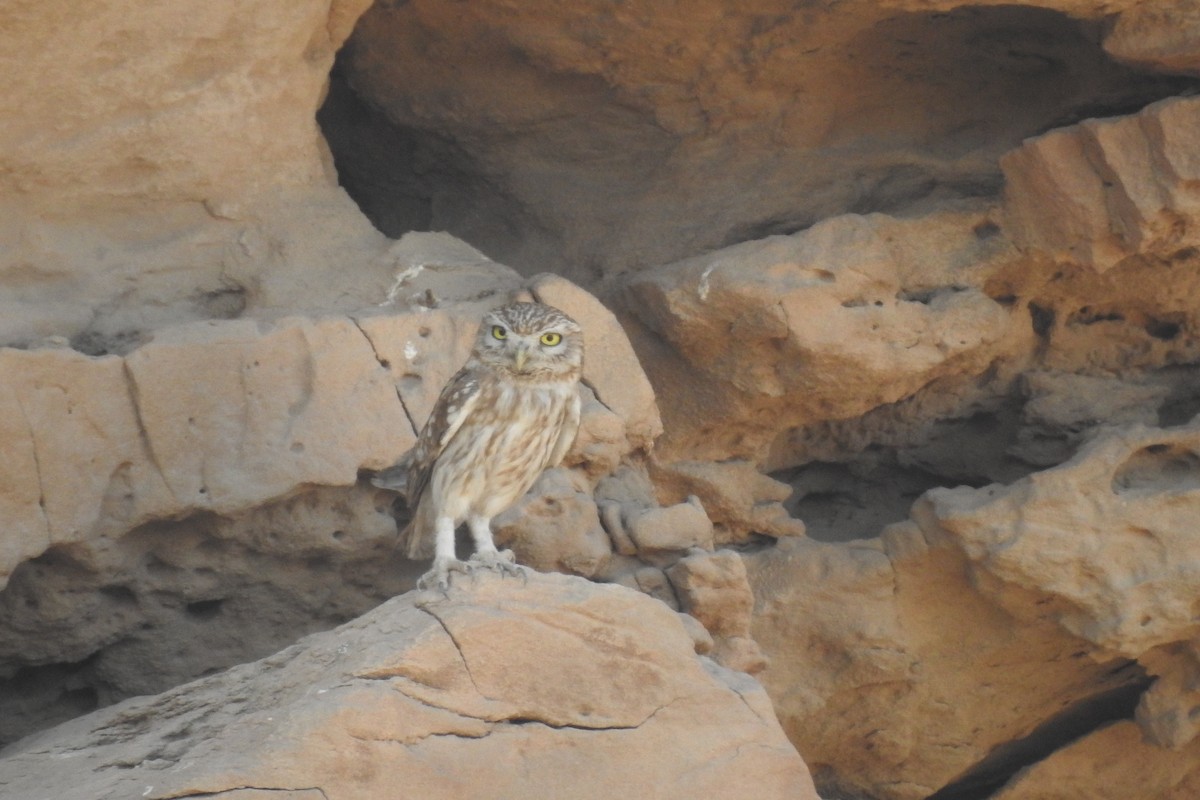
x=509, y=413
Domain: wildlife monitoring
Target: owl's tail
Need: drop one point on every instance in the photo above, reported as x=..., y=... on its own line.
x=418, y=537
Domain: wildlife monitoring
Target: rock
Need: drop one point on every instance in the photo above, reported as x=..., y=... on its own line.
x=233, y=417
x=555, y=527
x=675, y=528
x=702, y=639
x=850, y=314
x=1101, y=545
x=1064, y=409
x=1167, y=711
x=439, y=694
x=601, y=442
x=216, y=416
x=738, y=498
x=612, y=519
x=1113, y=763
x=1163, y=37
x=653, y=581
x=156, y=173
x=560, y=138
x=712, y=587
x=884, y=694
x=1096, y=193
x=100, y=620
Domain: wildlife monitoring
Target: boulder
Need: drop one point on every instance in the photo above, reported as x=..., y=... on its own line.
x=544, y=688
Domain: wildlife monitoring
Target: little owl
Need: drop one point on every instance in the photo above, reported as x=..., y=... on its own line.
x=509, y=413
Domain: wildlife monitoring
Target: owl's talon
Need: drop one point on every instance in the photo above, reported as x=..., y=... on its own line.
x=503, y=561
x=439, y=577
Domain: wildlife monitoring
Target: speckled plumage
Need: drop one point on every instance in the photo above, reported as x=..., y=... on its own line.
x=509, y=413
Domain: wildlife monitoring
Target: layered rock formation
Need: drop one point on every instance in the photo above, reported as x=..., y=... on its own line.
x=891, y=314
x=552, y=687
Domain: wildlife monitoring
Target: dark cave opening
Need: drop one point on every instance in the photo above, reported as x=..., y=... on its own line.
x=571, y=168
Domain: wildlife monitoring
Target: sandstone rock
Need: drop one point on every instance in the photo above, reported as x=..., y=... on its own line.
x=910, y=687
x=214, y=416
x=653, y=581
x=850, y=314
x=561, y=137
x=440, y=695
x=674, y=528
x=1167, y=711
x=1100, y=545
x=712, y=587
x=555, y=527
x=144, y=105
x=156, y=172
x=1162, y=36
x=1064, y=409
x=1114, y=763
x=1096, y=193
x=102, y=619
x=611, y=518
x=601, y=443
x=738, y=498
x=233, y=417
x=701, y=638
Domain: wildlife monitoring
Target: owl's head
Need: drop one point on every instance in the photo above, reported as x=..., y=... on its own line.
x=530, y=341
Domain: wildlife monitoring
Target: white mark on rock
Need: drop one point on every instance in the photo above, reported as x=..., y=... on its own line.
x=402, y=277
x=410, y=350
x=146, y=793
x=703, y=288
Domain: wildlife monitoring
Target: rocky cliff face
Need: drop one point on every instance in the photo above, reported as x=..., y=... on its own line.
x=893, y=368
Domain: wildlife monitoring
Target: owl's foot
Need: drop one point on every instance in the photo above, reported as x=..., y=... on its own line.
x=503, y=561
x=439, y=577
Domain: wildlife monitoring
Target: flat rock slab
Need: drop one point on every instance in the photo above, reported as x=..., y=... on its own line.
x=550, y=687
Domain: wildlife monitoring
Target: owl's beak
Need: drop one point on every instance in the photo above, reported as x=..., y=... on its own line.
x=519, y=358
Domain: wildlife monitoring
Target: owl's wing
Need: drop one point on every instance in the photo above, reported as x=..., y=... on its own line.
x=570, y=427
x=454, y=404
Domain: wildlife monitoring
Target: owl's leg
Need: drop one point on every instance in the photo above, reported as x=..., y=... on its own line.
x=486, y=554
x=444, y=561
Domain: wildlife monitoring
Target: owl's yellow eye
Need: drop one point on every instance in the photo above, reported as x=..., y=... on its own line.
x=550, y=338
x=498, y=332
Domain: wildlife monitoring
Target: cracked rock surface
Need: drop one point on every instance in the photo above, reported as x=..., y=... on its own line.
x=549, y=687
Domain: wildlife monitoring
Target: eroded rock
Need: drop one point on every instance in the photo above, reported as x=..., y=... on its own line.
x=712, y=587
x=1104, y=190
x=1102, y=544
x=848, y=315
x=440, y=694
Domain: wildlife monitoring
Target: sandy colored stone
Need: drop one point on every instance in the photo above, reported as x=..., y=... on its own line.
x=1101, y=545
x=712, y=587
x=884, y=693
x=678, y=528
x=591, y=139
x=737, y=497
x=233, y=416
x=602, y=441
x=556, y=527
x=99, y=620
x=853, y=313
x=1162, y=36
x=1101, y=191
x=1115, y=763
x=155, y=171
x=144, y=105
x=500, y=685
x=1167, y=712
